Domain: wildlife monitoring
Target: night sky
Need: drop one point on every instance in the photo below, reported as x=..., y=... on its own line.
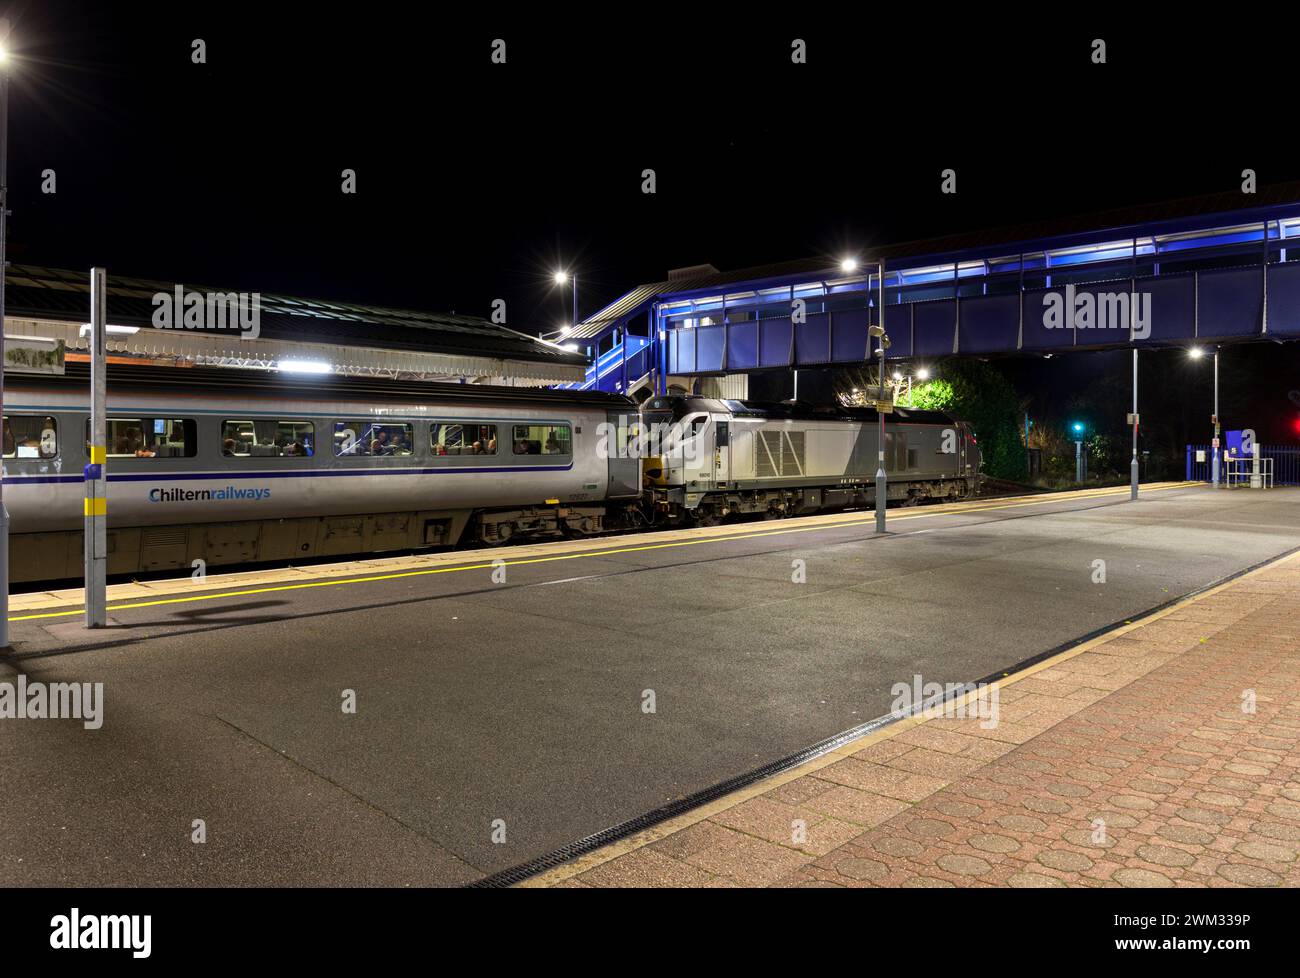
x=475, y=180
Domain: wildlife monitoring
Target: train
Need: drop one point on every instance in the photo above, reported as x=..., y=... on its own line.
x=213, y=466
x=725, y=457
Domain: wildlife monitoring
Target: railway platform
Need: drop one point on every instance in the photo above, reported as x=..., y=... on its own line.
x=1163, y=753
x=493, y=717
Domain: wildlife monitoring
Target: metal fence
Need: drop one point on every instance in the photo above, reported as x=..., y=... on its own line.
x=1286, y=463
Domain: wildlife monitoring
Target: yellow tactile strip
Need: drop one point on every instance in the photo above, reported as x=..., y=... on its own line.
x=744, y=838
x=39, y=605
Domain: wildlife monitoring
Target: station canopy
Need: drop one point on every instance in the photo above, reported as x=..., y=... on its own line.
x=293, y=334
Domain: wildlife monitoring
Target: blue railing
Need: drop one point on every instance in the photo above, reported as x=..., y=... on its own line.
x=1286, y=463
x=617, y=368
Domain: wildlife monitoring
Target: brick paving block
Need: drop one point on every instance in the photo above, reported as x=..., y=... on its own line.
x=943, y=741
x=796, y=828
x=798, y=791
x=884, y=750
x=882, y=780
x=745, y=859
x=853, y=805
x=934, y=764
x=646, y=868
x=690, y=840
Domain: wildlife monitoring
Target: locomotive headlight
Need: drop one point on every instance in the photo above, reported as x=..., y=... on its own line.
x=654, y=472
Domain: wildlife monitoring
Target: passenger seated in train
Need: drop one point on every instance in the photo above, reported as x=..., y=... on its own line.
x=552, y=445
x=136, y=438
x=228, y=447
x=32, y=442
x=130, y=443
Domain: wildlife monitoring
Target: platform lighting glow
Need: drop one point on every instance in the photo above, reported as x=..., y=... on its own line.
x=849, y=265
x=305, y=366
x=897, y=375
x=564, y=330
x=571, y=347
x=561, y=277
x=4, y=55
x=923, y=374
x=1196, y=353
x=110, y=329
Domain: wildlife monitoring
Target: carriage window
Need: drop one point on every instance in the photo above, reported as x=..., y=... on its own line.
x=31, y=436
x=268, y=438
x=148, y=438
x=542, y=439
x=462, y=438
x=353, y=438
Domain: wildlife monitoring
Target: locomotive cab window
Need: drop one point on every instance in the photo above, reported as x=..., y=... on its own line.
x=457, y=438
x=148, y=437
x=373, y=438
x=268, y=438
x=31, y=436
x=542, y=439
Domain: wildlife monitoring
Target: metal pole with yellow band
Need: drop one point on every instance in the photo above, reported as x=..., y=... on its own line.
x=96, y=478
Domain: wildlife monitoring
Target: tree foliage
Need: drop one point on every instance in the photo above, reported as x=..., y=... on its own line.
x=977, y=392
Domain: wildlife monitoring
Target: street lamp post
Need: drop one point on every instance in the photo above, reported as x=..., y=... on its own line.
x=1196, y=353
x=4, y=214
x=877, y=333
x=1215, y=464
x=560, y=278
x=1133, y=466
x=882, y=480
